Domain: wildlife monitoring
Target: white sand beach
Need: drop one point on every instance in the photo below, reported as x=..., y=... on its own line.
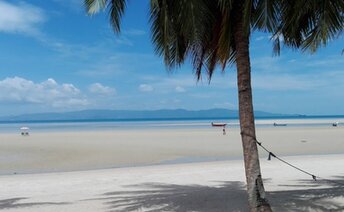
x=64, y=171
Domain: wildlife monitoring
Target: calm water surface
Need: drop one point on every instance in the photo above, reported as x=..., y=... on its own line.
x=70, y=126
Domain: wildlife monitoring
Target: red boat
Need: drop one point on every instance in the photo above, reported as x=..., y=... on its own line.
x=218, y=124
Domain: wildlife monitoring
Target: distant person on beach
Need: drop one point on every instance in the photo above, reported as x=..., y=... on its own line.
x=224, y=131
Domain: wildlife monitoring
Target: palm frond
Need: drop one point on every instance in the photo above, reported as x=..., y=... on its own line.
x=276, y=44
x=315, y=23
x=94, y=6
x=181, y=29
x=225, y=4
x=162, y=29
x=265, y=15
x=249, y=8
x=226, y=45
x=116, y=9
x=203, y=30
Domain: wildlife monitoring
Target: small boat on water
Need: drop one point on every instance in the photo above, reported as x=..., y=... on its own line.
x=218, y=124
x=279, y=125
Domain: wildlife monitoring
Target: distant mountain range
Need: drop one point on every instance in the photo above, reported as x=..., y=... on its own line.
x=104, y=115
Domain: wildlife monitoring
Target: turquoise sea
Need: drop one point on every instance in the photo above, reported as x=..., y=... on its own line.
x=97, y=124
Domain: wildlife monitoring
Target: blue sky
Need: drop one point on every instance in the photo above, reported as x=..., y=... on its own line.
x=53, y=57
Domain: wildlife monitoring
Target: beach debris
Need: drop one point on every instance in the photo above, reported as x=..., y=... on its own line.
x=279, y=125
x=303, y=141
x=24, y=131
x=335, y=124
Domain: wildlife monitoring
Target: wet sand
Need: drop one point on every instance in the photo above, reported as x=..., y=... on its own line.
x=71, y=151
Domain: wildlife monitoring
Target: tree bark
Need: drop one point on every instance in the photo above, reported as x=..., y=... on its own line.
x=255, y=188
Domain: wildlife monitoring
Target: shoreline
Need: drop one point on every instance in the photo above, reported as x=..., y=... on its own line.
x=84, y=126
x=167, y=164
x=71, y=151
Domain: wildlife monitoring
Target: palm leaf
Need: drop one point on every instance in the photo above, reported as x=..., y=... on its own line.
x=315, y=23
x=116, y=10
x=202, y=30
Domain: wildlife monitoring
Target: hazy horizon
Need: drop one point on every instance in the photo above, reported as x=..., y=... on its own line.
x=100, y=113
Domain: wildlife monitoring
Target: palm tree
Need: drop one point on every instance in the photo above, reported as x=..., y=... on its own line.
x=216, y=33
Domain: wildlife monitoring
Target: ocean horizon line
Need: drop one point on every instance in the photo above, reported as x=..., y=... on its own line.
x=95, y=120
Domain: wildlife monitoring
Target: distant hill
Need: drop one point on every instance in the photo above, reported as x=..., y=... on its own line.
x=134, y=115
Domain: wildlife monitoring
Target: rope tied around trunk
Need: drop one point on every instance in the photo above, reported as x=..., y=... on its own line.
x=271, y=154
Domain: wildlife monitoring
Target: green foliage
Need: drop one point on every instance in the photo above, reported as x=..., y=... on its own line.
x=203, y=30
x=310, y=24
x=116, y=10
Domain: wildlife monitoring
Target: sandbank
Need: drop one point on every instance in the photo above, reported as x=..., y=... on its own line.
x=150, y=170
x=85, y=150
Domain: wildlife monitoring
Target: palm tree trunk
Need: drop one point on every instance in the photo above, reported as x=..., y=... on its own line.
x=255, y=188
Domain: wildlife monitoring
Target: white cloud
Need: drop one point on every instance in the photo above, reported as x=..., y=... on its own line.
x=334, y=61
x=123, y=41
x=25, y=19
x=134, y=32
x=20, y=18
x=49, y=93
x=261, y=38
x=72, y=4
x=97, y=88
x=126, y=39
x=180, y=89
x=115, y=64
x=286, y=82
x=145, y=88
x=268, y=64
x=70, y=103
x=187, y=82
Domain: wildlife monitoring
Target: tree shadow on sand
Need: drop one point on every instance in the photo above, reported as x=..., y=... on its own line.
x=311, y=198
x=15, y=203
x=169, y=197
x=229, y=196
